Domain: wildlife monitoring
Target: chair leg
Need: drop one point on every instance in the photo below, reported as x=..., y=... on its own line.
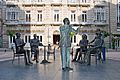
x=31, y=55
x=48, y=55
x=96, y=58
x=18, y=59
x=13, y=58
x=88, y=55
x=84, y=57
x=54, y=56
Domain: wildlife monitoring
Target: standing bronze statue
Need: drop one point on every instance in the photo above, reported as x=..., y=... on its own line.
x=65, y=43
x=34, y=43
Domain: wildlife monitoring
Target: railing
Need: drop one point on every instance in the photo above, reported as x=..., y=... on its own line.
x=100, y=3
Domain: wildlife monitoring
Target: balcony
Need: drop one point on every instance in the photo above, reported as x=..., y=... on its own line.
x=86, y=23
x=102, y=22
x=73, y=3
x=37, y=3
x=12, y=22
x=100, y=3
x=55, y=23
x=84, y=3
x=12, y=2
x=56, y=3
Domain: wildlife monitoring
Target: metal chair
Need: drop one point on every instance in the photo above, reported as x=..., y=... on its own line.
x=16, y=55
x=51, y=52
x=96, y=53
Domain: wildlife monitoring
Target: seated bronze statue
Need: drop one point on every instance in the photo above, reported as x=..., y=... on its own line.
x=19, y=44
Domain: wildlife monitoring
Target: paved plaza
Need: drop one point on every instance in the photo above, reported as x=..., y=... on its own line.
x=109, y=70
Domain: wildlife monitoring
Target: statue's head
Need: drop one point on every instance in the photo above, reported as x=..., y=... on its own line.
x=35, y=35
x=18, y=35
x=84, y=36
x=98, y=31
x=99, y=34
x=66, y=21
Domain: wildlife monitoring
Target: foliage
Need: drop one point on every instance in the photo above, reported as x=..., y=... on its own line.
x=113, y=43
x=105, y=33
x=10, y=33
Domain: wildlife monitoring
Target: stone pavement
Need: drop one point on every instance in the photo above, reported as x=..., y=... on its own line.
x=109, y=70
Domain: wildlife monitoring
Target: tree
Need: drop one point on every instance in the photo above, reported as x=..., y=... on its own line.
x=10, y=33
x=105, y=33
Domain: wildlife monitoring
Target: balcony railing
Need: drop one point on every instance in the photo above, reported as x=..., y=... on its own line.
x=99, y=3
x=102, y=22
x=12, y=22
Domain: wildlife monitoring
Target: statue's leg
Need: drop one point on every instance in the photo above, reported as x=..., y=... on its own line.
x=88, y=57
x=63, y=57
x=37, y=56
x=68, y=56
x=68, y=59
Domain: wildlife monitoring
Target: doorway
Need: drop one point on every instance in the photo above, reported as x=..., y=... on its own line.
x=56, y=39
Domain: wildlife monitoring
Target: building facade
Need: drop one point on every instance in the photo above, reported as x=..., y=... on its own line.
x=1, y=24
x=44, y=17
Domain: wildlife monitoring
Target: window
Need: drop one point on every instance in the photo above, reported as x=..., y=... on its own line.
x=84, y=1
x=41, y=0
x=72, y=1
x=100, y=14
x=71, y=40
x=39, y=16
x=12, y=39
x=29, y=39
x=118, y=12
x=26, y=39
x=56, y=15
x=28, y=0
x=12, y=15
x=57, y=0
x=74, y=39
x=84, y=16
x=73, y=16
x=28, y=16
x=40, y=38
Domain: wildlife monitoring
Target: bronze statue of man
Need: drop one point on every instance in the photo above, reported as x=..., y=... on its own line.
x=65, y=43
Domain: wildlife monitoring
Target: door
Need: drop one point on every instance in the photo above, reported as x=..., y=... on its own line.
x=56, y=39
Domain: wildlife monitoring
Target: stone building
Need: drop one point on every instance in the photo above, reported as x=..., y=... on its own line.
x=44, y=18
x=1, y=24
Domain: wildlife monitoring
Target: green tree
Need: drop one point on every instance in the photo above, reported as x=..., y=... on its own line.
x=105, y=33
x=10, y=33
